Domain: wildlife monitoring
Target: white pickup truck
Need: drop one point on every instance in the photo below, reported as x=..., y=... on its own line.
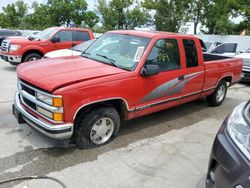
x=245, y=76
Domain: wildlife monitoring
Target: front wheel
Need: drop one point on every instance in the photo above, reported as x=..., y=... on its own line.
x=96, y=128
x=218, y=96
x=32, y=57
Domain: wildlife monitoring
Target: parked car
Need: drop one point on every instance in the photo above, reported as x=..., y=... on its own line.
x=211, y=45
x=121, y=76
x=226, y=49
x=19, y=50
x=30, y=34
x=74, y=51
x=229, y=164
x=7, y=32
x=245, y=76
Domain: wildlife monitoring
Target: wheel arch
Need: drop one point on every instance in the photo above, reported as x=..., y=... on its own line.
x=227, y=78
x=32, y=51
x=119, y=104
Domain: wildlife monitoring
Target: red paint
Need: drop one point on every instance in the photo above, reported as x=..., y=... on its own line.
x=82, y=81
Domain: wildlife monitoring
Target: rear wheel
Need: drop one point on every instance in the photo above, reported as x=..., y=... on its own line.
x=218, y=96
x=32, y=57
x=96, y=128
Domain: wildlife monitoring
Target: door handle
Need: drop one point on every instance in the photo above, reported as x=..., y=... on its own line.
x=182, y=77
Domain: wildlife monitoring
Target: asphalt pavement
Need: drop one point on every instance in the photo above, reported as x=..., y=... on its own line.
x=166, y=149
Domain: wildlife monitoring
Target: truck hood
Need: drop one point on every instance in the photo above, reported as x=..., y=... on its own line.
x=51, y=74
x=22, y=40
x=244, y=55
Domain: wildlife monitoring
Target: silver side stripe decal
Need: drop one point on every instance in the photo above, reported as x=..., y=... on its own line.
x=171, y=87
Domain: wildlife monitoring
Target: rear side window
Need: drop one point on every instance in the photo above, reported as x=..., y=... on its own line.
x=190, y=52
x=81, y=36
x=165, y=54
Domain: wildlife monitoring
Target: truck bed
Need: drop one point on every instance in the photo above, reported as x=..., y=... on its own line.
x=212, y=57
x=217, y=66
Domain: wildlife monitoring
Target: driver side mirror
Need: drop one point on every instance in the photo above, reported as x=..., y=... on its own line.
x=150, y=70
x=55, y=39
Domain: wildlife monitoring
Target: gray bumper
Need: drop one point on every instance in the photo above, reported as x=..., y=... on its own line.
x=13, y=59
x=60, y=132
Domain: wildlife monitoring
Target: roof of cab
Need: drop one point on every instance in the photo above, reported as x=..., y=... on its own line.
x=149, y=34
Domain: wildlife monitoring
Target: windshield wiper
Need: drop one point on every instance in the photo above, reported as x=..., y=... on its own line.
x=85, y=54
x=111, y=61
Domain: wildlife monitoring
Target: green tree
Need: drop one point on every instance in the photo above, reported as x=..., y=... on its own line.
x=13, y=14
x=196, y=12
x=241, y=8
x=120, y=14
x=169, y=13
x=217, y=17
x=90, y=19
x=69, y=12
x=40, y=18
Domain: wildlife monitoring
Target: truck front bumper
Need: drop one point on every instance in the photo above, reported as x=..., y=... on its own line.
x=60, y=132
x=245, y=75
x=12, y=59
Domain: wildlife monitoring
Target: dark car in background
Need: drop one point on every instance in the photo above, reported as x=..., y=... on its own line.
x=7, y=33
x=229, y=164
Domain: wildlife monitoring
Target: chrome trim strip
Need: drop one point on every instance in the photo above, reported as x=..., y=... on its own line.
x=103, y=100
x=49, y=95
x=45, y=117
x=208, y=89
x=39, y=103
x=190, y=94
x=53, y=131
x=156, y=103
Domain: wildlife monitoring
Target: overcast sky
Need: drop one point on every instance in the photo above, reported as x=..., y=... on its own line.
x=3, y=3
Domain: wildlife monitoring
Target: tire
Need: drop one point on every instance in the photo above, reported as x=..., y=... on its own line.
x=32, y=57
x=218, y=96
x=97, y=122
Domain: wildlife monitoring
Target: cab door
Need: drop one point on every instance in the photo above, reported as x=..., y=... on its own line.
x=65, y=39
x=193, y=74
x=160, y=91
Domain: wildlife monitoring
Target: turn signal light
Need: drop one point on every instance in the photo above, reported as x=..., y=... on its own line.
x=57, y=102
x=57, y=116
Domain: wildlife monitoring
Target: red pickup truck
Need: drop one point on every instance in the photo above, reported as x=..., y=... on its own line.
x=18, y=50
x=123, y=75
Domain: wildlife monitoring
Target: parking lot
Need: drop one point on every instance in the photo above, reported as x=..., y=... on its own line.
x=166, y=149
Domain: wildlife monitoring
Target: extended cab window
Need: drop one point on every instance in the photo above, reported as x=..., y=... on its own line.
x=81, y=36
x=64, y=36
x=165, y=53
x=191, y=53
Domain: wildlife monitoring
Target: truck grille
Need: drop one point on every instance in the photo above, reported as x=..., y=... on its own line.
x=28, y=96
x=5, y=45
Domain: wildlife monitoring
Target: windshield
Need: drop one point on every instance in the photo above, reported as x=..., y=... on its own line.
x=248, y=50
x=45, y=34
x=120, y=50
x=83, y=46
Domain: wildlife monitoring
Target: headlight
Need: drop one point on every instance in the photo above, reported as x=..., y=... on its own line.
x=44, y=112
x=14, y=47
x=44, y=98
x=56, y=116
x=239, y=128
x=53, y=101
